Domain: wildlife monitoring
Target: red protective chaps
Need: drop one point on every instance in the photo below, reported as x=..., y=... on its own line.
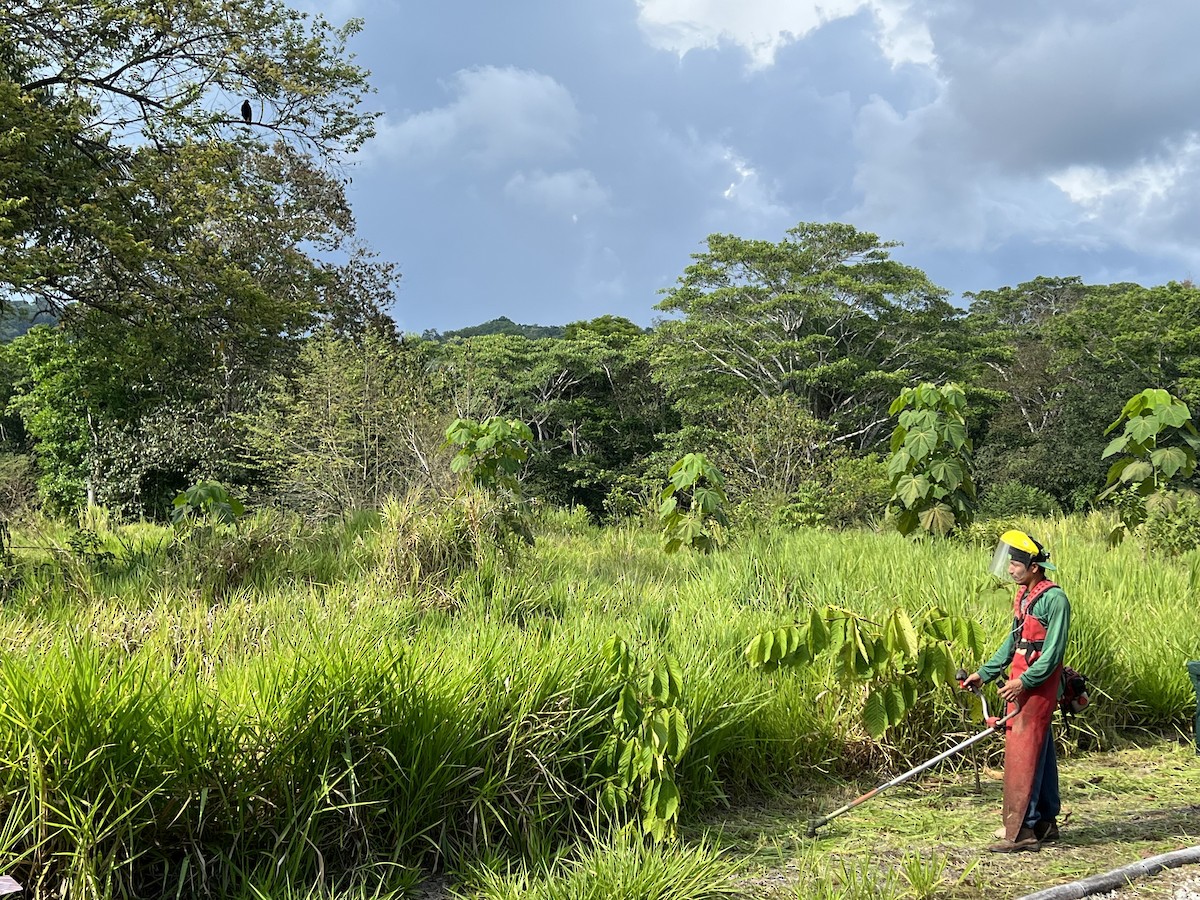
x=1027, y=730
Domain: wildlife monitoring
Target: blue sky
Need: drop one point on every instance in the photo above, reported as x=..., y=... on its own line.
x=556, y=160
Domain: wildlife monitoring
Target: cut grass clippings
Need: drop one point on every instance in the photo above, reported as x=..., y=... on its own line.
x=1119, y=806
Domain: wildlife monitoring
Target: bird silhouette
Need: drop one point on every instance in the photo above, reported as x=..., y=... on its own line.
x=247, y=112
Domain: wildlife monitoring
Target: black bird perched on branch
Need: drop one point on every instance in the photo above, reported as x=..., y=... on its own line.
x=247, y=112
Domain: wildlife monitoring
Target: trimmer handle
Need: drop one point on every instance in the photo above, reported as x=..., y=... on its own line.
x=991, y=721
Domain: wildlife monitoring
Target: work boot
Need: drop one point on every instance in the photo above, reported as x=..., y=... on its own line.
x=1046, y=831
x=1026, y=840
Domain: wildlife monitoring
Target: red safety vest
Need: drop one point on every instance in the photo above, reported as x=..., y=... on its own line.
x=1030, y=632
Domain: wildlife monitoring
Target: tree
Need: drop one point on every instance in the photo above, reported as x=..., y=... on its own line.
x=825, y=314
x=184, y=251
x=358, y=420
x=111, y=104
x=1069, y=353
x=588, y=398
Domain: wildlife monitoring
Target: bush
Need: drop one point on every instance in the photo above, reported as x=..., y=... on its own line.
x=806, y=508
x=855, y=493
x=858, y=491
x=1172, y=525
x=217, y=559
x=1012, y=499
x=18, y=483
x=983, y=532
x=426, y=542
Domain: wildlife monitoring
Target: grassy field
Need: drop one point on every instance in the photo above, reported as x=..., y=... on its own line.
x=351, y=708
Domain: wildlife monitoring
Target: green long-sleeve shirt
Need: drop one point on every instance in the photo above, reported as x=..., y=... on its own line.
x=1053, y=610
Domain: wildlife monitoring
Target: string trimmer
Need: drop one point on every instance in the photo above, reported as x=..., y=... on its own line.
x=993, y=723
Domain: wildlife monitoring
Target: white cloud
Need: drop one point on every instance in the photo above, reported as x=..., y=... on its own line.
x=1147, y=206
x=498, y=116
x=763, y=27
x=571, y=194
x=750, y=192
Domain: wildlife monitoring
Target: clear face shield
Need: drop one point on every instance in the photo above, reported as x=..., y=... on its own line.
x=1000, y=561
x=1013, y=545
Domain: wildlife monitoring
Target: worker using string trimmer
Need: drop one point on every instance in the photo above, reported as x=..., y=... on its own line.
x=1034, y=647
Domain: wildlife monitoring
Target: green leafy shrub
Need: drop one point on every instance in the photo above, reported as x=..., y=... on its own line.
x=930, y=465
x=207, y=500
x=898, y=660
x=983, y=532
x=1172, y=524
x=806, y=508
x=489, y=456
x=1011, y=499
x=633, y=497
x=1157, y=450
x=649, y=739
x=491, y=452
x=699, y=521
x=18, y=482
x=858, y=491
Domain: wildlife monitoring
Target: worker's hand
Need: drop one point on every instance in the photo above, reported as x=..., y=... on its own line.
x=1012, y=690
x=972, y=682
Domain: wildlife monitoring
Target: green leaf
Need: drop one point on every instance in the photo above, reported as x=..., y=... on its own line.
x=1142, y=429
x=754, y=652
x=906, y=635
x=1138, y=470
x=937, y=519
x=946, y=472
x=666, y=804
x=875, y=715
x=912, y=488
x=679, y=735
x=956, y=435
x=921, y=444
x=1116, y=445
x=629, y=710
x=674, y=678
x=1173, y=415
x=650, y=801
x=658, y=684
x=1169, y=460
x=899, y=463
x=893, y=701
x=907, y=522
x=818, y=632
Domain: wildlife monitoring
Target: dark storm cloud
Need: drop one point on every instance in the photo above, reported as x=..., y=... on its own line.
x=553, y=161
x=1042, y=86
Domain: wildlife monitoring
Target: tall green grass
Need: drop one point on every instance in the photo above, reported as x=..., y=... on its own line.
x=363, y=700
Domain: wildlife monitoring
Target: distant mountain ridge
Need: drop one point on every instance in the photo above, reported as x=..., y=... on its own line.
x=501, y=325
x=17, y=317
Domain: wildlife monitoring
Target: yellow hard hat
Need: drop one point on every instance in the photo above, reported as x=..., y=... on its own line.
x=1017, y=545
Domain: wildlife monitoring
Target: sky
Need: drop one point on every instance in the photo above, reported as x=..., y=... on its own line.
x=556, y=160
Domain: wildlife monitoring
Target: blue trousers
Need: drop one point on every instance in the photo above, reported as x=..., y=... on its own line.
x=1044, y=802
